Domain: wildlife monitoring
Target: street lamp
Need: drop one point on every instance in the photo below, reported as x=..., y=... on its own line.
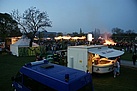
x=89, y=37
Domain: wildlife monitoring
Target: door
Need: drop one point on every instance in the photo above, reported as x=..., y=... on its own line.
x=80, y=61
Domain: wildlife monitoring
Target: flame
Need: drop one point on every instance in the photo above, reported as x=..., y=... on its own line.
x=109, y=42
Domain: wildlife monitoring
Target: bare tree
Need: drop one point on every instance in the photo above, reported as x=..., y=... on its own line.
x=31, y=21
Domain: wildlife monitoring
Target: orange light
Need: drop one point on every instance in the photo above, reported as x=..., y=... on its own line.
x=109, y=42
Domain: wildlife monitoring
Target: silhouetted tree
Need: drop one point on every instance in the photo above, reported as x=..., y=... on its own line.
x=32, y=21
x=8, y=26
x=74, y=34
x=130, y=32
x=59, y=34
x=117, y=31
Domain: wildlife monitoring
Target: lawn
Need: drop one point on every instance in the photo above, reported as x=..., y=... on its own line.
x=9, y=67
x=127, y=56
x=126, y=81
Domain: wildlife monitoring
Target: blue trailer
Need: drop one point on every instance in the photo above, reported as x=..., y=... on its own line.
x=44, y=76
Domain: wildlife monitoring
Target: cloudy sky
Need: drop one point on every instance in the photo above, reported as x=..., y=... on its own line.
x=69, y=16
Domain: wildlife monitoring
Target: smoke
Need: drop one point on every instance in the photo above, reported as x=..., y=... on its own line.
x=106, y=36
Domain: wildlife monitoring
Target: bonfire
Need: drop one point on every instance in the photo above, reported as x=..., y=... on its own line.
x=109, y=42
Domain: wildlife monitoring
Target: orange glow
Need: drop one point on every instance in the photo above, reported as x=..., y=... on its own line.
x=58, y=38
x=69, y=37
x=109, y=42
x=66, y=37
x=83, y=37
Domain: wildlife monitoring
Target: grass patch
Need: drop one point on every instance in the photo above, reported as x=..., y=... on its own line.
x=10, y=65
x=126, y=81
x=127, y=56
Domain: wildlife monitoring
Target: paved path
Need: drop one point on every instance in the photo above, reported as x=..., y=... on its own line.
x=128, y=63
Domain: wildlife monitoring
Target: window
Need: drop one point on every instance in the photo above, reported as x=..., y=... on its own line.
x=29, y=83
x=35, y=85
x=18, y=77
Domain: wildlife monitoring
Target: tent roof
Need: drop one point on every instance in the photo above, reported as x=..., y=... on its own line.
x=24, y=41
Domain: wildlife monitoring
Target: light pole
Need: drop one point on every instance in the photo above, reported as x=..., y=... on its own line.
x=89, y=37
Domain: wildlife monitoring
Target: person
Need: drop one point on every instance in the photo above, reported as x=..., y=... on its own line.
x=118, y=59
x=38, y=58
x=115, y=68
x=134, y=57
x=118, y=67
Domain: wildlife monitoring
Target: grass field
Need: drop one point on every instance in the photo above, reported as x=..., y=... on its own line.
x=126, y=81
x=9, y=67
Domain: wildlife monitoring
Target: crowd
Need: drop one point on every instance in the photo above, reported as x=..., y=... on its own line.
x=61, y=45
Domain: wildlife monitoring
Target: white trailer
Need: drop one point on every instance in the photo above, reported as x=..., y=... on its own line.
x=93, y=58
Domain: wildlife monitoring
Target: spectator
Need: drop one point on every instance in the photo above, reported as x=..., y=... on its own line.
x=115, y=68
x=118, y=66
x=38, y=58
x=134, y=57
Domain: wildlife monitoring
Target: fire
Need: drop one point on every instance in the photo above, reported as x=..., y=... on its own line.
x=109, y=42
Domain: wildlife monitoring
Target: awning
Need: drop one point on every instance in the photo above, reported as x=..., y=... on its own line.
x=109, y=53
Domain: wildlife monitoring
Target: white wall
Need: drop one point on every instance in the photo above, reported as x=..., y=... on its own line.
x=77, y=58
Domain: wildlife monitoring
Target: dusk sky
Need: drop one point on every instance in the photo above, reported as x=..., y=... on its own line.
x=69, y=16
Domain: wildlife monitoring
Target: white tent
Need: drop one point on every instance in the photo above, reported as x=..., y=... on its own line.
x=22, y=42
